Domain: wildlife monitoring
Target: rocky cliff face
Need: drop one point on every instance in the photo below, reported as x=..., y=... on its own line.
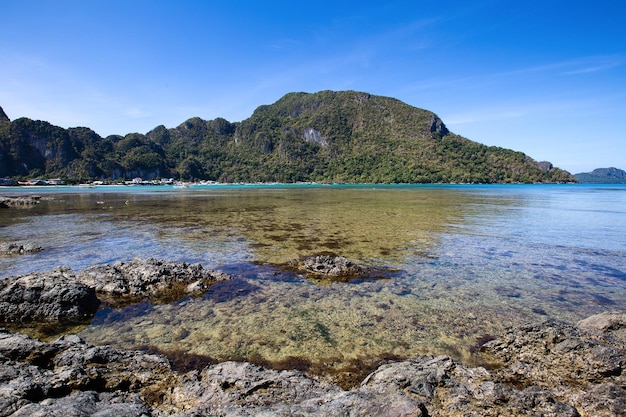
x=3, y=116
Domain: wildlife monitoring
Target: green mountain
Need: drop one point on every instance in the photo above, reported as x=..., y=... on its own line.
x=602, y=176
x=324, y=137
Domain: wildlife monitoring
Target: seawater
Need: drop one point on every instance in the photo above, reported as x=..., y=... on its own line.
x=468, y=260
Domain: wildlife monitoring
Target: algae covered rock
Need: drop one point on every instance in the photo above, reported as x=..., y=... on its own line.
x=150, y=279
x=335, y=268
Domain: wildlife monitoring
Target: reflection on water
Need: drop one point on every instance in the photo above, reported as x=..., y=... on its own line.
x=472, y=260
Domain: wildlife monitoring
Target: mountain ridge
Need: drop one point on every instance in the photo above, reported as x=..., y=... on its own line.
x=328, y=136
x=609, y=175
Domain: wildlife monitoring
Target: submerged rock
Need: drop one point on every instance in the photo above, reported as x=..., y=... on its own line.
x=549, y=369
x=48, y=297
x=336, y=268
x=150, y=279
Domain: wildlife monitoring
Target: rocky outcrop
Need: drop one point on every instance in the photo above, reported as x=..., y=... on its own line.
x=582, y=366
x=3, y=117
x=22, y=201
x=18, y=248
x=49, y=297
x=549, y=369
x=335, y=268
x=60, y=296
x=150, y=279
x=68, y=377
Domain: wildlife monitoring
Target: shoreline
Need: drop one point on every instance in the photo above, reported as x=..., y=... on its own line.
x=548, y=367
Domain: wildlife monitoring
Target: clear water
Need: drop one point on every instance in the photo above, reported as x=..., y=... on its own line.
x=471, y=260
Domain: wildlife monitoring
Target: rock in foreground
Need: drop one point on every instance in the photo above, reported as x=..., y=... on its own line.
x=48, y=297
x=150, y=279
x=582, y=365
x=549, y=369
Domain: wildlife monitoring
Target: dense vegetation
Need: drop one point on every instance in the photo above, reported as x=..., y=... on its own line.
x=323, y=137
x=602, y=176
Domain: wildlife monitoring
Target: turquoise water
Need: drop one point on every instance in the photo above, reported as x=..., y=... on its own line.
x=470, y=260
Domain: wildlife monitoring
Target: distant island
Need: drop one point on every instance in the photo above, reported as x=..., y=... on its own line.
x=602, y=176
x=326, y=137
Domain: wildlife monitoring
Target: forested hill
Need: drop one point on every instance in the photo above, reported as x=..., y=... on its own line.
x=602, y=176
x=323, y=137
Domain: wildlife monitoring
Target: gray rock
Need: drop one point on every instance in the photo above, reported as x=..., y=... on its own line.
x=576, y=365
x=69, y=377
x=20, y=201
x=124, y=282
x=86, y=404
x=18, y=248
x=337, y=268
x=548, y=369
x=605, y=324
x=237, y=388
x=55, y=296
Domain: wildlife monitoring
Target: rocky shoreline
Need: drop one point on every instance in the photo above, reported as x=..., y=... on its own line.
x=540, y=369
x=547, y=369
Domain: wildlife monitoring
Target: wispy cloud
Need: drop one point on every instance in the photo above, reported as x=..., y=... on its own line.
x=511, y=111
x=580, y=65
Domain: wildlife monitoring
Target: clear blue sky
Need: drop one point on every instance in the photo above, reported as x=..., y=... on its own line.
x=547, y=78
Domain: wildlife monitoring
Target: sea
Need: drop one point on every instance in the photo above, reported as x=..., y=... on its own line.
x=462, y=264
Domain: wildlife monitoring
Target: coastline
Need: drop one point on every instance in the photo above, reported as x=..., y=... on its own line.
x=535, y=378
x=546, y=368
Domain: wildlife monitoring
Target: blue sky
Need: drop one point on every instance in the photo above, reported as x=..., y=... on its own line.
x=547, y=78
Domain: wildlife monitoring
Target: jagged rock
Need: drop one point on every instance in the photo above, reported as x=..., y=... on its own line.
x=226, y=387
x=86, y=404
x=605, y=324
x=577, y=365
x=3, y=117
x=538, y=364
x=18, y=248
x=335, y=267
x=156, y=280
x=22, y=201
x=69, y=377
x=545, y=166
x=55, y=296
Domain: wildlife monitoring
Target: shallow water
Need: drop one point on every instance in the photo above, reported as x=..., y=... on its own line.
x=471, y=260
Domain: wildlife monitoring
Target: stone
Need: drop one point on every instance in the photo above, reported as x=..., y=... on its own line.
x=21, y=201
x=150, y=279
x=336, y=268
x=607, y=323
x=69, y=377
x=576, y=365
x=48, y=297
x=19, y=248
x=548, y=369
